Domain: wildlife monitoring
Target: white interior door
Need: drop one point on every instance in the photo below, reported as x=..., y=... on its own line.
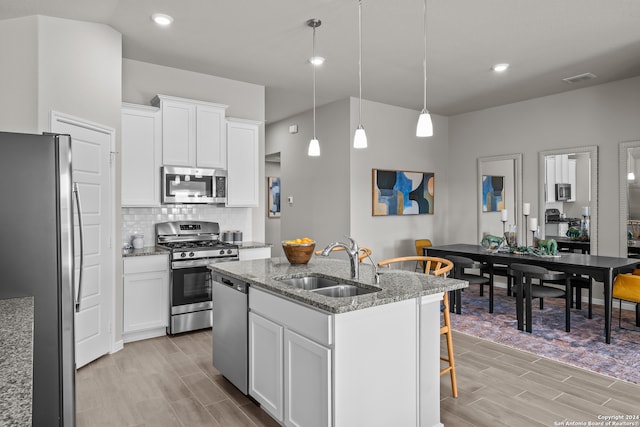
x=90, y=149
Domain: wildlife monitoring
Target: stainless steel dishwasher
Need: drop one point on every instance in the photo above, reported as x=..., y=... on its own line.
x=230, y=330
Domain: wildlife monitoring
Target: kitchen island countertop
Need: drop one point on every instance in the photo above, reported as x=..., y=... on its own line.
x=394, y=285
x=16, y=361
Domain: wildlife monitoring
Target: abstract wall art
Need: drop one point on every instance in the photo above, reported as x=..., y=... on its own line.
x=273, y=196
x=402, y=192
x=492, y=193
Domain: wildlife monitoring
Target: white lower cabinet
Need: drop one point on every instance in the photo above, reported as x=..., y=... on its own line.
x=307, y=381
x=145, y=297
x=254, y=253
x=289, y=370
x=266, y=364
x=373, y=367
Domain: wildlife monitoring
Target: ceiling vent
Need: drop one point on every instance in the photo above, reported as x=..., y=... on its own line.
x=580, y=78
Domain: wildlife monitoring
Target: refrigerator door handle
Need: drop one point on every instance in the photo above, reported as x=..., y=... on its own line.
x=76, y=194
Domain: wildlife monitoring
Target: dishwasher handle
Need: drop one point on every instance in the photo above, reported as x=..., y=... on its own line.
x=234, y=284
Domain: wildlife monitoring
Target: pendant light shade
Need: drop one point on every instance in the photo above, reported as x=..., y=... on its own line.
x=314, y=145
x=314, y=148
x=360, y=137
x=425, y=125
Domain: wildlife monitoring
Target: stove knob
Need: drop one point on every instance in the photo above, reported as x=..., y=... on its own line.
x=229, y=251
x=221, y=251
x=183, y=254
x=191, y=254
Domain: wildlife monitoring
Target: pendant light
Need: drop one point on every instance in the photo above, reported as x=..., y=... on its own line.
x=425, y=125
x=360, y=138
x=314, y=145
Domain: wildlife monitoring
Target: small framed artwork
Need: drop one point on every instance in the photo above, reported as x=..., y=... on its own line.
x=402, y=192
x=492, y=193
x=273, y=196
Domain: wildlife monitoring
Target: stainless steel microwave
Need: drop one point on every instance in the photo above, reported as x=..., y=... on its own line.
x=563, y=192
x=193, y=185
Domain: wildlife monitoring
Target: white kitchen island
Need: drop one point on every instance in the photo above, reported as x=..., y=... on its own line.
x=370, y=359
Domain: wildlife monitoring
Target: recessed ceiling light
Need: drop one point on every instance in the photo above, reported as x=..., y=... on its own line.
x=162, y=19
x=499, y=68
x=316, y=60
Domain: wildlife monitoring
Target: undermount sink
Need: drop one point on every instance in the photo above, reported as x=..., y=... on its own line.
x=310, y=282
x=342, y=291
x=326, y=287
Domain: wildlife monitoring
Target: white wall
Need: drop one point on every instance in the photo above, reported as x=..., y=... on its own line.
x=392, y=144
x=79, y=71
x=19, y=75
x=333, y=193
x=319, y=185
x=72, y=67
x=601, y=115
x=141, y=81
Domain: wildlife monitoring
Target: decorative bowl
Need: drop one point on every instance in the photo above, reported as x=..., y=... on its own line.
x=298, y=253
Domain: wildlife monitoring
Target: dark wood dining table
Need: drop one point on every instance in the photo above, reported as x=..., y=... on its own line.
x=601, y=268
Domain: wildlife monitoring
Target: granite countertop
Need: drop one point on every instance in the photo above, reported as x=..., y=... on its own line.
x=254, y=245
x=16, y=361
x=147, y=250
x=395, y=285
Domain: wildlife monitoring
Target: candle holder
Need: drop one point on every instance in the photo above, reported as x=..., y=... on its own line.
x=525, y=234
x=504, y=231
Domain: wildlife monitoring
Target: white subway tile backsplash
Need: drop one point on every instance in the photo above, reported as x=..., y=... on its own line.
x=143, y=220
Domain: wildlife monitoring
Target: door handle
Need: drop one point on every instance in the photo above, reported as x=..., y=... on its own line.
x=76, y=194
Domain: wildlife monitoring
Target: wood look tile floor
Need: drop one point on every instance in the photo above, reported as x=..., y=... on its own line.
x=169, y=381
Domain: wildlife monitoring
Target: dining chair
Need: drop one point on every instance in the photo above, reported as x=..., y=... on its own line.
x=437, y=267
x=364, y=252
x=460, y=266
x=525, y=291
x=578, y=282
x=626, y=287
x=420, y=245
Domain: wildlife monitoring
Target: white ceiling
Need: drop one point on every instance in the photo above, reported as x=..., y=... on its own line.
x=268, y=43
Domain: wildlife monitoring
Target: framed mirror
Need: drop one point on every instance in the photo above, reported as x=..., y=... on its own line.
x=629, y=154
x=499, y=187
x=568, y=194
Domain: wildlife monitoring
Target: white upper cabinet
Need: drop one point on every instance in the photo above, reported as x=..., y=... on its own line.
x=211, y=141
x=243, y=137
x=193, y=132
x=141, y=155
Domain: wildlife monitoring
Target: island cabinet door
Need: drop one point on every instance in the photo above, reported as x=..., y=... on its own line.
x=265, y=364
x=307, y=378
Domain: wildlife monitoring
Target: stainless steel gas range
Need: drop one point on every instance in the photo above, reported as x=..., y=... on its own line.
x=193, y=246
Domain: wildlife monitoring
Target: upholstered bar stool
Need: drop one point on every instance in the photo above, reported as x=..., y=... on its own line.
x=460, y=265
x=525, y=291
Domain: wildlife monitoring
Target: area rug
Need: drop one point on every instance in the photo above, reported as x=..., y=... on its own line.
x=583, y=347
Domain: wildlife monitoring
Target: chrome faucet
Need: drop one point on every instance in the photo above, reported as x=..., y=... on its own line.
x=352, y=250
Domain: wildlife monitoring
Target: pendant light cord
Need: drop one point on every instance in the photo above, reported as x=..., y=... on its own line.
x=424, y=105
x=314, y=83
x=360, y=59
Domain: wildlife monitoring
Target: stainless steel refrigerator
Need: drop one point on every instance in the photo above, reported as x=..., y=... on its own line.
x=37, y=259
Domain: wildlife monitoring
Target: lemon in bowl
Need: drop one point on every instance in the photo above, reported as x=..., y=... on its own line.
x=299, y=251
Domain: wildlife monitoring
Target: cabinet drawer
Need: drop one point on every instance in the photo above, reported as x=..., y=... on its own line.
x=145, y=264
x=306, y=321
